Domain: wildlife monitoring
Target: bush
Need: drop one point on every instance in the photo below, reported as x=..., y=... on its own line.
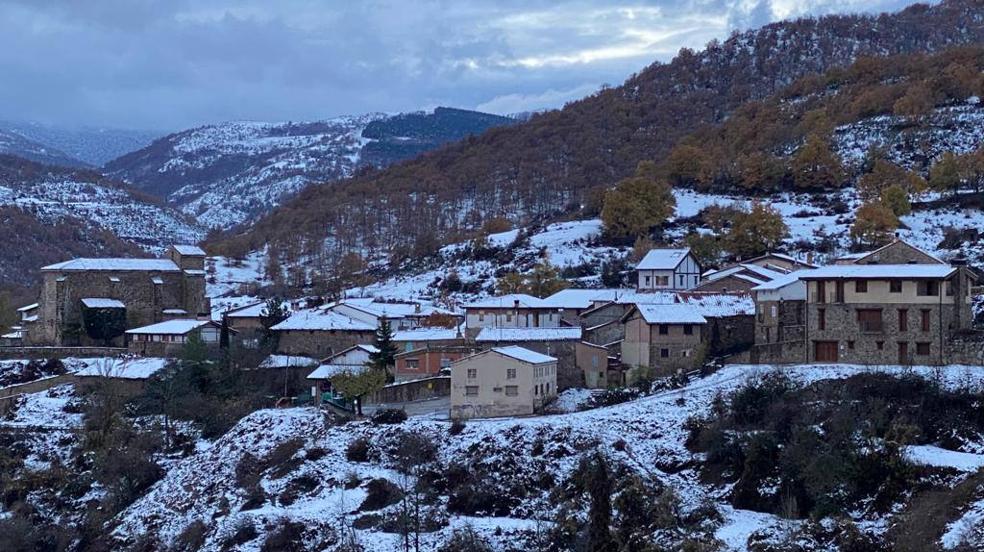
x=281, y=459
x=389, y=416
x=191, y=538
x=245, y=532
x=358, y=450
x=466, y=540
x=287, y=536
x=457, y=426
x=380, y=493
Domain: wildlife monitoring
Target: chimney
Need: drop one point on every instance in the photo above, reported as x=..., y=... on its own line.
x=809, y=257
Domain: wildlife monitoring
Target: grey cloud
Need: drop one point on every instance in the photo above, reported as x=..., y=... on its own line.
x=172, y=64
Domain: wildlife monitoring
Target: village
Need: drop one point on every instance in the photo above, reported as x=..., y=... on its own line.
x=513, y=354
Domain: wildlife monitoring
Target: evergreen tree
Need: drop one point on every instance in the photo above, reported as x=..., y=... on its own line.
x=383, y=359
x=599, y=486
x=271, y=315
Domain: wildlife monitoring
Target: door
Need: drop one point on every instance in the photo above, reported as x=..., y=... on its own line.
x=825, y=351
x=903, y=352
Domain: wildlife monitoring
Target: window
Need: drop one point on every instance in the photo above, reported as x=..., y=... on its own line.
x=880, y=345
x=681, y=280
x=821, y=292
x=922, y=348
x=509, y=317
x=471, y=390
x=870, y=320
x=481, y=316
x=664, y=329
x=512, y=391
x=472, y=373
x=895, y=286
x=903, y=320
x=861, y=286
x=839, y=291
x=445, y=363
x=821, y=319
x=497, y=390
x=648, y=281
x=924, y=320
x=414, y=363
x=850, y=345
x=664, y=353
x=510, y=373
x=548, y=387
x=774, y=311
x=928, y=288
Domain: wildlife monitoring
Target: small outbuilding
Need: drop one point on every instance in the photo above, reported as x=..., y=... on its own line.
x=168, y=338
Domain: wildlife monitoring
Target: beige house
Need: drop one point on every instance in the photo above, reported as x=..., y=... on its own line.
x=510, y=311
x=662, y=339
x=502, y=381
x=592, y=360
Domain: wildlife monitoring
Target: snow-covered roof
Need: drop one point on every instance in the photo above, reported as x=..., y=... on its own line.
x=189, y=250
x=194, y=272
x=651, y=297
x=320, y=318
x=255, y=310
x=174, y=311
x=524, y=355
x=747, y=278
x=103, y=303
x=780, y=283
x=327, y=371
x=30, y=307
x=762, y=274
x=582, y=298
x=365, y=347
x=288, y=361
x=19, y=334
x=131, y=368
x=170, y=327
x=508, y=335
x=663, y=259
x=122, y=265
x=392, y=309
x=670, y=314
x=878, y=271
x=719, y=305
x=427, y=334
x=509, y=301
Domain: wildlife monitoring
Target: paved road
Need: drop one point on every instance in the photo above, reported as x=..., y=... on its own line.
x=433, y=409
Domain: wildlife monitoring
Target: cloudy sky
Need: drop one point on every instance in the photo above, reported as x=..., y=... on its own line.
x=177, y=63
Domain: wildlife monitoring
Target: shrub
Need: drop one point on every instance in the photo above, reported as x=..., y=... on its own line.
x=466, y=540
x=314, y=454
x=245, y=532
x=380, y=493
x=287, y=536
x=358, y=450
x=457, y=426
x=281, y=459
x=191, y=538
x=389, y=416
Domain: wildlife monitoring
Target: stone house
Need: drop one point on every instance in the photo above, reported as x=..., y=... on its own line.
x=516, y=310
x=559, y=343
x=668, y=269
x=167, y=339
x=428, y=361
x=885, y=313
x=421, y=338
x=780, y=320
x=247, y=320
x=150, y=290
x=738, y=279
x=593, y=362
x=400, y=315
x=321, y=332
x=778, y=262
x=662, y=339
x=896, y=252
x=502, y=381
x=572, y=303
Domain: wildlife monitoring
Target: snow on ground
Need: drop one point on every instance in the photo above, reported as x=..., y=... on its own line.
x=968, y=528
x=646, y=435
x=227, y=277
x=572, y=400
x=44, y=413
x=121, y=368
x=928, y=455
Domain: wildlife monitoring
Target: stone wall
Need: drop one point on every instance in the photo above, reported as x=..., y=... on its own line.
x=320, y=343
x=855, y=346
x=729, y=334
x=43, y=353
x=414, y=390
x=966, y=348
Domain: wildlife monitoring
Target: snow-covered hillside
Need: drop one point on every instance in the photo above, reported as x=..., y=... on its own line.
x=313, y=483
x=13, y=143
x=227, y=173
x=110, y=207
x=91, y=145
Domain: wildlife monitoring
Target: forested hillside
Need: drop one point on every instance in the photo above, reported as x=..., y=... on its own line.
x=559, y=162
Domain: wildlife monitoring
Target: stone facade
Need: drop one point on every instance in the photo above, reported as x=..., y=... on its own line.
x=728, y=334
x=897, y=252
x=661, y=352
x=147, y=287
x=568, y=373
x=320, y=343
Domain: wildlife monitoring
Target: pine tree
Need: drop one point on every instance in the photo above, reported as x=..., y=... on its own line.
x=599, y=486
x=383, y=358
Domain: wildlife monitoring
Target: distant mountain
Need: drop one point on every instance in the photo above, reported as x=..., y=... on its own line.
x=12, y=143
x=55, y=192
x=229, y=173
x=408, y=135
x=93, y=146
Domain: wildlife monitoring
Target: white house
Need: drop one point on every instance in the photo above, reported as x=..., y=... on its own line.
x=516, y=310
x=502, y=381
x=663, y=269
